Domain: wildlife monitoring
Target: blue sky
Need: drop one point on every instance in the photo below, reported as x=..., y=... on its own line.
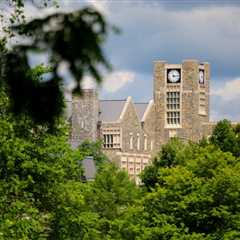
x=170, y=30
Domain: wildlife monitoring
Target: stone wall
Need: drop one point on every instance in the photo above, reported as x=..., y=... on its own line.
x=191, y=121
x=131, y=126
x=159, y=100
x=84, y=119
x=149, y=129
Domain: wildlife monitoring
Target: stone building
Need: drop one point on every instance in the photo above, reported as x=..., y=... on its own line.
x=132, y=132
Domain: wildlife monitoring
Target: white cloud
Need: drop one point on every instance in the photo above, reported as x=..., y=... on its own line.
x=88, y=83
x=100, y=5
x=230, y=91
x=208, y=34
x=225, y=100
x=117, y=80
x=111, y=82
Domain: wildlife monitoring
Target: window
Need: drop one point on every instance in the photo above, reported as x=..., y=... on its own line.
x=173, y=100
x=123, y=162
x=202, y=103
x=138, y=142
x=138, y=160
x=151, y=145
x=131, y=170
x=145, y=142
x=82, y=124
x=134, y=163
x=131, y=141
x=138, y=170
x=144, y=163
x=173, y=118
x=173, y=108
x=130, y=160
x=111, y=138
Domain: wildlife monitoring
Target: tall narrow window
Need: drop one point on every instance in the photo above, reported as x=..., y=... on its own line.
x=202, y=103
x=108, y=140
x=151, y=145
x=173, y=108
x=82, y=124
x=131, y=141
x=145, y=142
x=138, y=142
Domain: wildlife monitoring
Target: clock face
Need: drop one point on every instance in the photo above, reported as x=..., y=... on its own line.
x=201, y=77
x=173, y=75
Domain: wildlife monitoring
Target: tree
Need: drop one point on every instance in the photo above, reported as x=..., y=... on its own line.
x=237, y=129
x=34, y=164
x=31, y=174
x=194, y=199
x=88, y=211
x=170, y=155
x=81, y=34
x=225, y=137
x=94, y=149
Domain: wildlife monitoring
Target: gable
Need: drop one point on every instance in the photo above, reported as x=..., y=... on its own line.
x=129, y=112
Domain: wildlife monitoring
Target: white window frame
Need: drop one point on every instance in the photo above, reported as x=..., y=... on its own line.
x=138, y=141
x=112, y=138
x=173, y=109
x=131, y=141
x=145, y=142
x=151, y=145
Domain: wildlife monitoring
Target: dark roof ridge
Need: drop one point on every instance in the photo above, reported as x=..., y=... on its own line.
x=141, y=102
x=113, y=99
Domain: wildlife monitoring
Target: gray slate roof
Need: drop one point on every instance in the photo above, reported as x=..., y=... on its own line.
x=141, y=108
x=110, y=110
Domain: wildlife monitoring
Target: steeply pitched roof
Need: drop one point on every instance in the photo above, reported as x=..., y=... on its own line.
x=141, y=108
x=110, y=110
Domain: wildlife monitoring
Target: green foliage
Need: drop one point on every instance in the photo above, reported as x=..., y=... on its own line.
x=80, y=33
x=171, y=154
x=112, y=192
x=94, y=149
x=237, y=129
x=226, y=137
x=41, y=195
x=72, y=220
x=197, y=197
x=33, y=166
x=87, y=211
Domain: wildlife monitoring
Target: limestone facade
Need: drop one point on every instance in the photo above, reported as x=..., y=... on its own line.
x=132, y=133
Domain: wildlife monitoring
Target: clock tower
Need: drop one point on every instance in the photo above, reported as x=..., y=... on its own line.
x=181, y=96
